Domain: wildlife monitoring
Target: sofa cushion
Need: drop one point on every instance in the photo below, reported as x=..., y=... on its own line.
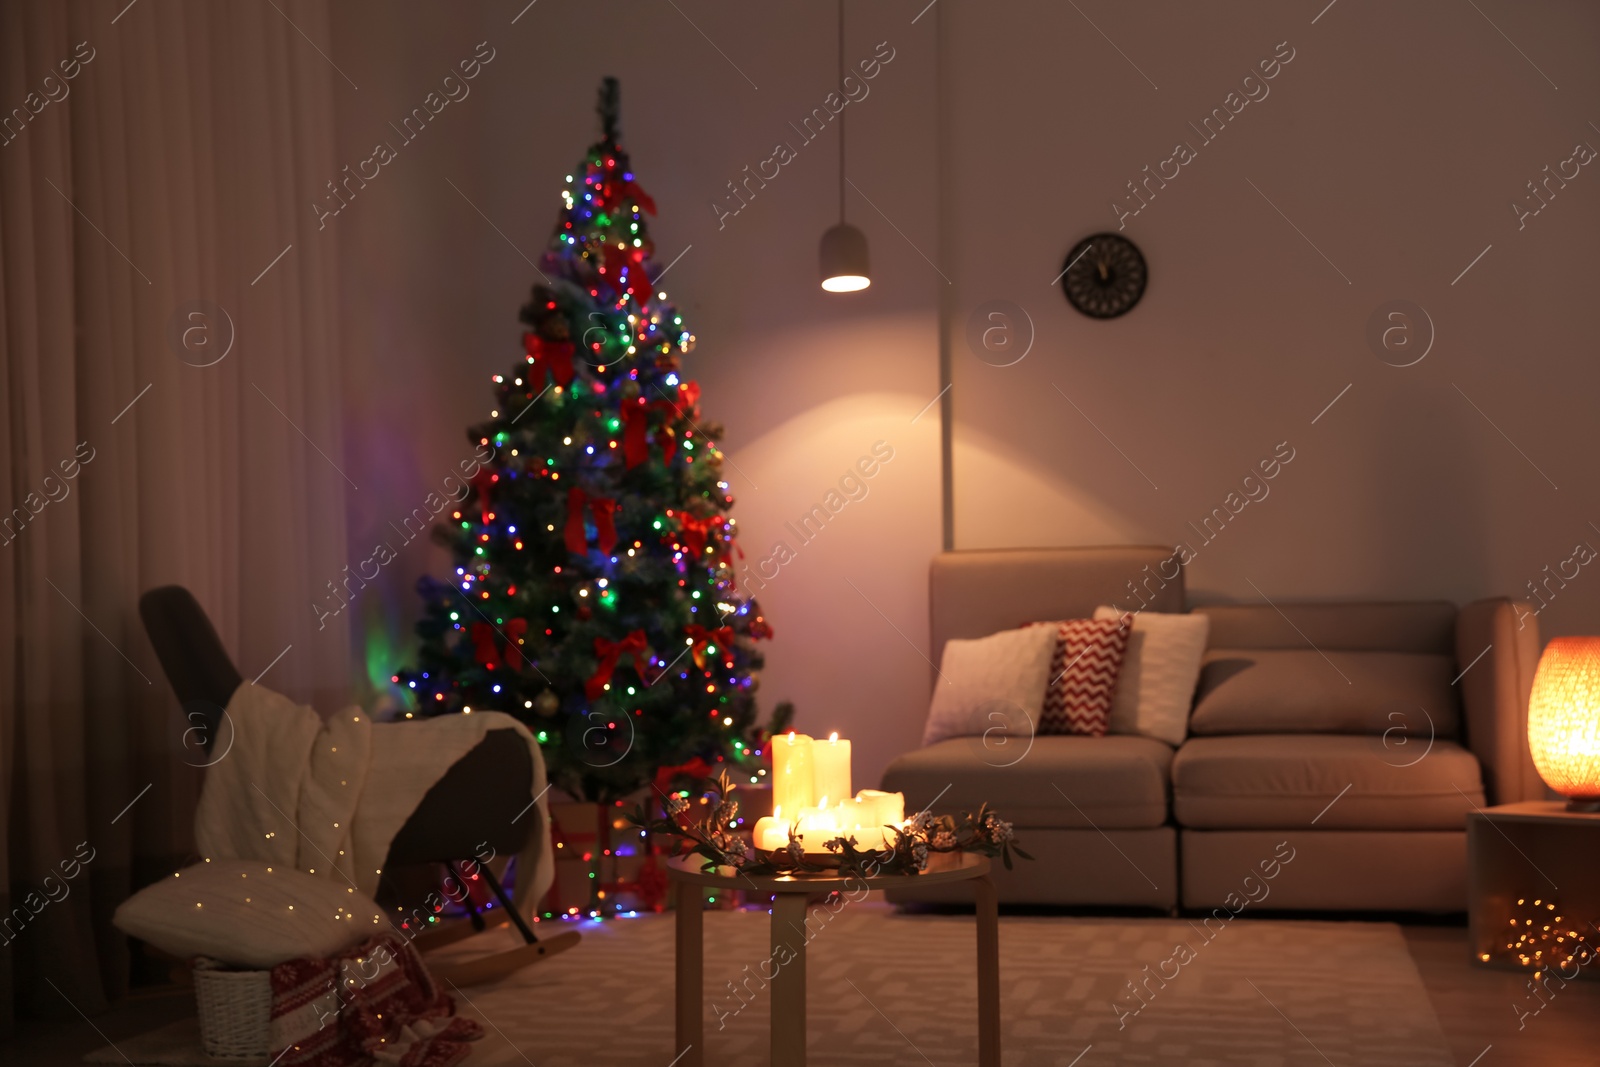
x=978, y=591
x=249, y=914
x=1279, y=691
x=1059, y=780
x=1330, y=781
x=1083, y=675
x=999, y=679
x=1155, y=689
x=1404, y=626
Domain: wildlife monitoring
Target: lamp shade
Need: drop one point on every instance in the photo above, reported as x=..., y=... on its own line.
x=845, y=267
x=1564, y=719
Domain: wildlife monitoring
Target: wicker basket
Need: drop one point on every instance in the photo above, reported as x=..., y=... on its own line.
x=235, y=1011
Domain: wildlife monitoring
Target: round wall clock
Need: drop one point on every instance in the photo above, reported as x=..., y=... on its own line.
x=1104, y=276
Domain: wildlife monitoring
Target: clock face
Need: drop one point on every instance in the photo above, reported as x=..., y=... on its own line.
x=1104, y=276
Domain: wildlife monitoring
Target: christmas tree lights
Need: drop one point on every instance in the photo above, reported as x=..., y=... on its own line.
x=592, y=592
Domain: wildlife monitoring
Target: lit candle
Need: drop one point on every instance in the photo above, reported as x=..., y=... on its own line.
x=830, y=768
x=792, y=777
x=772, y=832
x=860, y=819
x=891, y=807
x=818, y=826
x=873, y=810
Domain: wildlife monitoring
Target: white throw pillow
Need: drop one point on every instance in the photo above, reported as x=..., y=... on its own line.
x=983, y=683
x=249, y=914
x=1159, y=672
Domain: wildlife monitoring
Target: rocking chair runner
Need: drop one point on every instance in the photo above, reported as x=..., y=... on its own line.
x=477, y=803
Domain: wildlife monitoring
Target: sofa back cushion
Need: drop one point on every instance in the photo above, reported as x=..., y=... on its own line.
x=1290, y=691
x=974, y=593
x=1421, y=626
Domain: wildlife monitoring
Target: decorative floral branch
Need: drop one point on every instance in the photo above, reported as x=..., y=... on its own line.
x=714, y=839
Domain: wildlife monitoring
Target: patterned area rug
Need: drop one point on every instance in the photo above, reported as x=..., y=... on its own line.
x=886, y=988
x=1257, y=993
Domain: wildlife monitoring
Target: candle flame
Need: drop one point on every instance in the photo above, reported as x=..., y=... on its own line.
x=833, y=736
x=791, y=737
x=777, y=811
x=823, y=803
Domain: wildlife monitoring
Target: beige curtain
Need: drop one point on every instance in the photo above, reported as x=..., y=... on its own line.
x=155, y=217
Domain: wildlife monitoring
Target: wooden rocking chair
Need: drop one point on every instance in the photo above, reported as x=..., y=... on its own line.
x=471, y=805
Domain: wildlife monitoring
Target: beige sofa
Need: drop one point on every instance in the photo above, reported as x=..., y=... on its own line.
x=1373, y=821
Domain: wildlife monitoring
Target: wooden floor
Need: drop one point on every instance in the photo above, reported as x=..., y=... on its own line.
x=1482, y=1011
x=1478, y=1009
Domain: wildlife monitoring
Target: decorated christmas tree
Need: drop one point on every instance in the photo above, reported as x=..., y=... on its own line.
x=592, y=593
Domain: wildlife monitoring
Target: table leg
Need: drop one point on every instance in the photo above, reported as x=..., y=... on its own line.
x=988, y=908
x=690, y=951
x=789, y=983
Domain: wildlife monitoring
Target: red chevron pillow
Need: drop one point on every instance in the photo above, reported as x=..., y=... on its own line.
x=1083, y=676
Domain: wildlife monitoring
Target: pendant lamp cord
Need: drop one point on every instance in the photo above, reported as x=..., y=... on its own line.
x=840, y=88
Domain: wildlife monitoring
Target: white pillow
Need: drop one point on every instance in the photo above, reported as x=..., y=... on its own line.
x=249, y=914
x=1003, y=672
x=1159, y=672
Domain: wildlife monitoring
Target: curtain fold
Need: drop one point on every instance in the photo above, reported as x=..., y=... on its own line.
x=142, y=219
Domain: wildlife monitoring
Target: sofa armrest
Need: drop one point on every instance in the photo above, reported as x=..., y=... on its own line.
x=1494, y=693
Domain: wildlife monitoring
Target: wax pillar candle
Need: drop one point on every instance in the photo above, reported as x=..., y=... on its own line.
x=792, y=775
x=877, y=810
x=891, y=808
x=861, y=821
x=817, y=827
x=830, y=767
x=772, y=833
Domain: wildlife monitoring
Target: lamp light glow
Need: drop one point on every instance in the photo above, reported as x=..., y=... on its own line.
x=1564, y=720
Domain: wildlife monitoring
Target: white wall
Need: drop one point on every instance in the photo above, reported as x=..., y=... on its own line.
x=1394, y=139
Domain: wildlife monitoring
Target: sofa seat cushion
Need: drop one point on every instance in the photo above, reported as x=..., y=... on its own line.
x=1332, y=782
x=1062, y=781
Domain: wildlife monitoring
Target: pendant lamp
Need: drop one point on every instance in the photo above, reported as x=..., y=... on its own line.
x=845, y=266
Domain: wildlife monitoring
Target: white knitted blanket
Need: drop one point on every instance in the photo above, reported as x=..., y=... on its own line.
x=328, y=798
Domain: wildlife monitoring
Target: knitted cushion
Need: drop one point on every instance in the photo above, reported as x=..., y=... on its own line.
x=988, y=683
x=1159, y=673
x=1083, y=676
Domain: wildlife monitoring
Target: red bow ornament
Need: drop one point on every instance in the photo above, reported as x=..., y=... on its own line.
x=644, y=199
x=688, y=402
x=668, y=443
x=697, y=532
x=641, y=273
x=696, y=769
x=722, y=636
x=513, y=631
x=636, y=429
x=483, y=643
x=552, y=356
x=482, y=483
x=602, y=508
x=609, y=653
x=486, y=652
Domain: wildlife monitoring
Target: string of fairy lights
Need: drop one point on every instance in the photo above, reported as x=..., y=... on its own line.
x=592, y=591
